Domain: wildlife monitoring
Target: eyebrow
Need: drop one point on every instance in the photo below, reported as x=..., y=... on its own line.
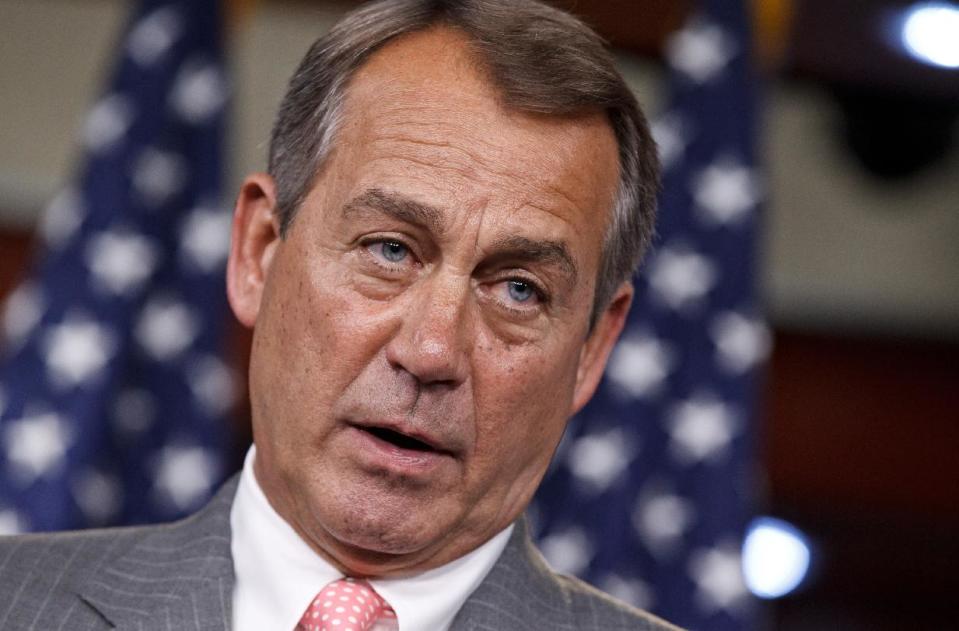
x=553, y=253
x=398, y=207
x=513, y=247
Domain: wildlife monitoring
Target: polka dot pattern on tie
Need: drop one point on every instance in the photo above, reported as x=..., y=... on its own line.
x=345, y=605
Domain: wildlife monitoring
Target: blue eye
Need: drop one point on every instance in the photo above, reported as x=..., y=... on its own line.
x=393, y=251
x=520, y=291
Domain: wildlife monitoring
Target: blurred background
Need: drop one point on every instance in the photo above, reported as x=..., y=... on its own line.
x=857, y=421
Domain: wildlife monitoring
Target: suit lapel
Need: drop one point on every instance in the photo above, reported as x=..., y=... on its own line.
x=177, y=576
x=520, y=592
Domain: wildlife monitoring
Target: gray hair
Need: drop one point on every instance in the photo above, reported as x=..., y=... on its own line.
x=543, y=60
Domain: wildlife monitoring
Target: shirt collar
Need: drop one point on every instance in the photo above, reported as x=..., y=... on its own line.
x=275, y=582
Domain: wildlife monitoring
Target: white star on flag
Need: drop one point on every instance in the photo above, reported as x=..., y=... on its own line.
x=700, y=51
x=61, y=218
x=158, y=175
x=640, y=364
x=98, y=495
x=672, y=136
x=119, y=263
x=11, y=523
x=741, y=342
x=700, y=429
x=598, y=460
x=725, y=192
x=199, y=92
x=107, y=123
x=662, y=518
x=568, y=551
x=76, y=350
x=153, y=35
x=680, y=277
x=205, y=238
x=166, y=328
x=717, y=573
x=23, y=311
x=212, y=383
x=184, y=475
x=35, y=445
x=630, y=590
x=134, y=411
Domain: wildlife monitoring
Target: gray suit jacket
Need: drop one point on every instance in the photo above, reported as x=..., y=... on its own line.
x=180, y=577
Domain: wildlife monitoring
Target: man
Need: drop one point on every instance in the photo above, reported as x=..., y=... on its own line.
x=435, y=268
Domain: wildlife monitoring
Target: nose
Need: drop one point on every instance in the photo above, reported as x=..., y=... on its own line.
x=432, y=342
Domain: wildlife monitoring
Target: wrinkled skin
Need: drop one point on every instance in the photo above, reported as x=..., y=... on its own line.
x=421, y=333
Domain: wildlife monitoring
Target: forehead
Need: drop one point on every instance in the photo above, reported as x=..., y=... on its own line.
x=423, y=112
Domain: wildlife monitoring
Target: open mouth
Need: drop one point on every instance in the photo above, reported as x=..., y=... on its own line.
x=399, y=440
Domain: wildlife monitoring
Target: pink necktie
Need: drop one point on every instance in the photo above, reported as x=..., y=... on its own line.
x=345, y=605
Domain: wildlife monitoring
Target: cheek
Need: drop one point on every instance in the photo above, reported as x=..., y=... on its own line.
x=523, y=398
x=312, y=339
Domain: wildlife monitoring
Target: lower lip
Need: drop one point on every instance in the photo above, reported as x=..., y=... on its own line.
x=382, y=454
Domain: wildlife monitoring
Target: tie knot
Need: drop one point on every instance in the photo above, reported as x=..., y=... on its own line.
x=345, y=605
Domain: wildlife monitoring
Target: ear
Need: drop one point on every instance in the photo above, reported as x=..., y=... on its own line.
x=256, y=234
x=599, y=344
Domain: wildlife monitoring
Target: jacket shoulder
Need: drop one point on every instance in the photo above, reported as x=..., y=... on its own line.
x=41, y=572
x=64, y=552
x=522, y=592
x=114, y=572
x=592, y=609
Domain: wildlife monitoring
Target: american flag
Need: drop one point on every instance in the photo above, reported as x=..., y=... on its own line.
x=113, y=393
x=650, y=493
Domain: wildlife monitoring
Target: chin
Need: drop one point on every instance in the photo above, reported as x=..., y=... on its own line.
x=392, y=527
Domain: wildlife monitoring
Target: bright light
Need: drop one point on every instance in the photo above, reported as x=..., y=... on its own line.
x=930, y=33
x=775, y=557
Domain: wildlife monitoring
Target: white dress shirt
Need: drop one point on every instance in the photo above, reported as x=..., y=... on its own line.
x=278, y=574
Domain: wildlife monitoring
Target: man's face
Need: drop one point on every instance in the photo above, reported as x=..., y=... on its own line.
x=422, y=331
